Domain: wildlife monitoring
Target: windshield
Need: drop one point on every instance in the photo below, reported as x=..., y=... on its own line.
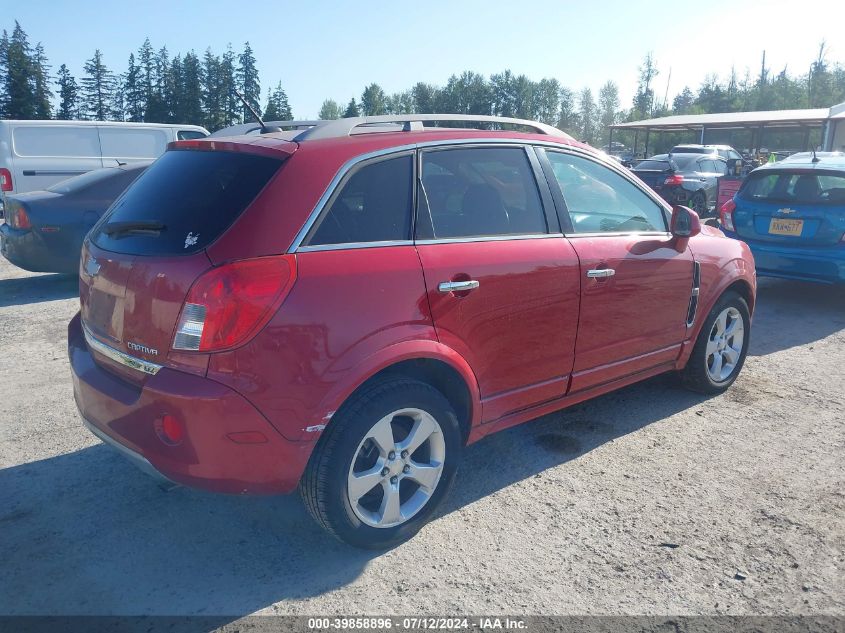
x=807, y=187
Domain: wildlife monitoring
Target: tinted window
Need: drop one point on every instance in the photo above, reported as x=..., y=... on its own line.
x=57, y=140
x=188, y=135
x=195, y=195
x=82, y=181
x=600, y=200
x=659, y=165
x=477, y=192
x=132, y=143
x=374, y=205
x=707, y=166
x=790, y=187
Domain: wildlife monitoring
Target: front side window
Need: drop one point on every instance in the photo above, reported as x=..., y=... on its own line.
x=478, y=192
x=373, y=205
x=601, y=201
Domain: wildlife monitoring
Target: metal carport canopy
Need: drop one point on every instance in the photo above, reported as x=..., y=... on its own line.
x=728, y=120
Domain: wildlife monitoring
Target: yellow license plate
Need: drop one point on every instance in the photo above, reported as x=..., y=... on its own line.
x=779, y=226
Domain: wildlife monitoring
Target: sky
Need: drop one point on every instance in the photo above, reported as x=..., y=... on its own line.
x=321, y=49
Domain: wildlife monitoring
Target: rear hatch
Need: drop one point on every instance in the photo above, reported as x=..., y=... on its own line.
x=792, y=206
x=654, y=172
x=141, y=259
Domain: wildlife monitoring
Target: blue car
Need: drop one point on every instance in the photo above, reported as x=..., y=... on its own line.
x=792, y=215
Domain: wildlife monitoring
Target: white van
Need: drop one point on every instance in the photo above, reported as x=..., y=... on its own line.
x=37, y=154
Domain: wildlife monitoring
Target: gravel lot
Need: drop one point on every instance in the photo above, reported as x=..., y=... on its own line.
x=650, y=500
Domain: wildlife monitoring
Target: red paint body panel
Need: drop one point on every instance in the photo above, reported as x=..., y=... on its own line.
x=208, y=410
x=517, y=329
x=536, y=336
x=636, y=312
x=369, y=299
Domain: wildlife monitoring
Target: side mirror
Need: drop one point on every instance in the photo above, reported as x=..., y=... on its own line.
x=685, y=222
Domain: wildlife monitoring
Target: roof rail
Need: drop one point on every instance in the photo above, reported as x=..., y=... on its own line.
x=252, y=126
x=334, y=128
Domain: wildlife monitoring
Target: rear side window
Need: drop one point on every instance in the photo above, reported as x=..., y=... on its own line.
x=183, y=202
x=132, y=143
x=791, y=187
x=372, y=205
x=478, y=192
x=659, y=165
x=57, y=140
x=601, y=201
x=189, y=135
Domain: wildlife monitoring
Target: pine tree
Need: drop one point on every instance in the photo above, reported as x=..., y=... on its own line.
x=587, y=116
x=68, y=95
x=278, y=108
x=608, y=109
x=190, y=107
x=329, y=110
x=212, y=92
x=232, y=106
x=18, y=92
x=373, y=101
x=683, y=102
x=568, y=120
x=644, y=98
x=98, y=89
x=248, y=83
x=133, y=91
x=146, y=76
x=548, y=101
x=41, y=84
x=351, y=109
x=157, y=110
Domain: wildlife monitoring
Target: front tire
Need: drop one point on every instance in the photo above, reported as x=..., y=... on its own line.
x=721, y=347
x=384, y=464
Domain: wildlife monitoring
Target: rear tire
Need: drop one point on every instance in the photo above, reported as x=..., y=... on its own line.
x=698, y=203
x=721, y=346
x=368, y=488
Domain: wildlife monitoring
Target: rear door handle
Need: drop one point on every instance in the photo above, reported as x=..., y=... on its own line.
x=600, y=273
x=457, y=286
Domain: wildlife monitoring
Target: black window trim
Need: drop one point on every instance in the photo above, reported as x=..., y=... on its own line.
x=333, y=191
x=543, y=190
x=566, y=220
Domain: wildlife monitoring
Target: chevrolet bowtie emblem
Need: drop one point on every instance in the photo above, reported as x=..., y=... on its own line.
x=787, y=211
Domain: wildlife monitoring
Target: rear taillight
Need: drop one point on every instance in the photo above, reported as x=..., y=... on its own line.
x=230, y=303
x=726, y=215
x=674, y=179
x=5, y=179
x=18, y=219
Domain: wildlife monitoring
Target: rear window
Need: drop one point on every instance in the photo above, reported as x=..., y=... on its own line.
x=795, y=187
x=659, y=165
x=77, y=183
x=183, y=202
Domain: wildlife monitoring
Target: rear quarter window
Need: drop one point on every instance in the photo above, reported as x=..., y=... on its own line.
x=195, y=195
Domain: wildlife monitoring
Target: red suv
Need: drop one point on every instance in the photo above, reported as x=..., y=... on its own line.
x=343, y=308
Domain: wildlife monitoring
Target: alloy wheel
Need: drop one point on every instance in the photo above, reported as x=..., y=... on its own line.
x=396, y=468
x=724, y=345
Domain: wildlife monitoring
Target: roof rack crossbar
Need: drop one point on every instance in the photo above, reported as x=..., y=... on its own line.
x=334, y=128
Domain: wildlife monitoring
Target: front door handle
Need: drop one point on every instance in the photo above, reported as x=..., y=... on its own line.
x=600, y=273
x=458, y=286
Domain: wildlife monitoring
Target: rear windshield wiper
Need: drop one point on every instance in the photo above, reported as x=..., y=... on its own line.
x=150, y=227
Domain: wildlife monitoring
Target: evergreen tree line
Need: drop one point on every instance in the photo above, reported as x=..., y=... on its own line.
x=158, y=87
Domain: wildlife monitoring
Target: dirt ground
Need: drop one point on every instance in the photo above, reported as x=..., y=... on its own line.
x=650, y=500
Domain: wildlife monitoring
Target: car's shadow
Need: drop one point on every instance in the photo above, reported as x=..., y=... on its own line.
x=37, y=288
x=792, y=313
x=85, y=532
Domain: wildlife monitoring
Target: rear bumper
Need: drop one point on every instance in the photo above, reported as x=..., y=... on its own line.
x=125, y=415
x=819, y=264
x=25, y=249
